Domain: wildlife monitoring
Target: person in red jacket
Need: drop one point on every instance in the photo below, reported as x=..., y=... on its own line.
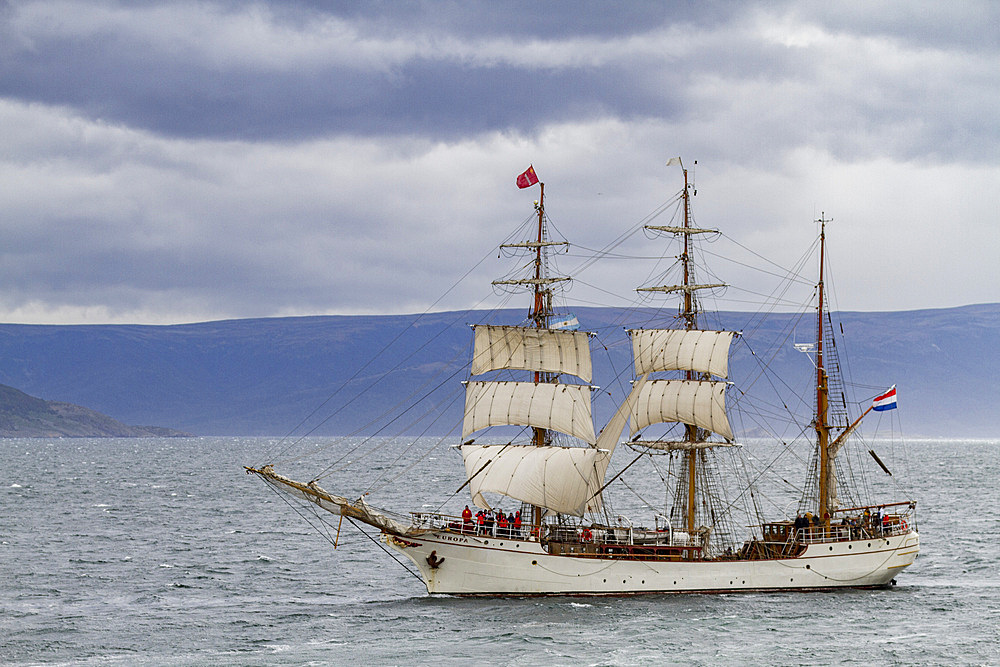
x=466, y=520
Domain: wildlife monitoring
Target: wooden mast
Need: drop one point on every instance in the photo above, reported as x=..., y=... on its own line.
x=689, y=313
x=822, y=393
x=540, y=313
x=690, y=322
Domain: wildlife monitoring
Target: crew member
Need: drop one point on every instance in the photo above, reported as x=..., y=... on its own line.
x=466, y=520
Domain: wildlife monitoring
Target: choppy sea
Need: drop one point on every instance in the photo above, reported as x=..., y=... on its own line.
x=163, y=552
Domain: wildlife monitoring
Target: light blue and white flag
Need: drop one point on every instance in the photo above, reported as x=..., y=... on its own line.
x=567, y=321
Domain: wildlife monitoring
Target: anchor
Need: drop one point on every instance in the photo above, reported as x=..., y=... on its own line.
x=434, y=561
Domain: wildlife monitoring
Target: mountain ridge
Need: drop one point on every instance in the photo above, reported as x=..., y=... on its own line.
x=25, y=416
x=263, y=376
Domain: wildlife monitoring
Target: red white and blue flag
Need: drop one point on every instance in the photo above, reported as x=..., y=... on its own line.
x=886, y=401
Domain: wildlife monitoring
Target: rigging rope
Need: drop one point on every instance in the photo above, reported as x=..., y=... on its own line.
x=382, y=547
x=298, y=509
x=370, y=361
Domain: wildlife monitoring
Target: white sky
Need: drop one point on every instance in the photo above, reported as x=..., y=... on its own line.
x=184, y=161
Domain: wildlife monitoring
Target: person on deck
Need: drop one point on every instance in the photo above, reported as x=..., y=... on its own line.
x=466, y=520
x=517, y=524
x=480, y=522
x=489, y=522
x=502, y=526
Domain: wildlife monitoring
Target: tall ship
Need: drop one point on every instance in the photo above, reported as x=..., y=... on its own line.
x=558, y=535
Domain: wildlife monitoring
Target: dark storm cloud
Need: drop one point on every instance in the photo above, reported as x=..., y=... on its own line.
x=449, y=70
x=120, y=77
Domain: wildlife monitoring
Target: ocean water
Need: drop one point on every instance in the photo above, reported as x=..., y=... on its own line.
x=163, y=552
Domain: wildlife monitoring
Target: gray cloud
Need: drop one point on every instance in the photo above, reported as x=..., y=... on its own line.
x=180, y=161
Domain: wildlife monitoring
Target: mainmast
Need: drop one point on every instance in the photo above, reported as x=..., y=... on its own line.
x=689, y=314
x=690, y=322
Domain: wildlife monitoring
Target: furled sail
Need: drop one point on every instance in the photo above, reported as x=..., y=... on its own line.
x=561, y=407
x=562, y=479
x=524, y=348
x=697, y=402
x=681, y=350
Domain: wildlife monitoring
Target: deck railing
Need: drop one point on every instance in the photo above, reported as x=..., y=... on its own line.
x=893, y=524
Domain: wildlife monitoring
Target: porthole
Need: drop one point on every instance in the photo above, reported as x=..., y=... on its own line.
x=831, y=548
x=808, y=567
x=534, y=562
x=850, y=546
x=869, y=544
x=643, y=581
x=605, y=581
x=623, y=581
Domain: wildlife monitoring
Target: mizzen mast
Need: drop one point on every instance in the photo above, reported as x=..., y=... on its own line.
x=827, y=483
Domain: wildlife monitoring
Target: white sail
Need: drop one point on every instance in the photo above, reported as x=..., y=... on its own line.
x=681, y=350
x=524, y=348
x=561, y=407
x=696, y=402
x=562, y=479
x=610, y=434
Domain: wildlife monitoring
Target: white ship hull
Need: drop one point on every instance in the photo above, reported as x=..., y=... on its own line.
x=472, y=565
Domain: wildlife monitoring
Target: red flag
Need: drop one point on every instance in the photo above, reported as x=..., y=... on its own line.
x=527, y=179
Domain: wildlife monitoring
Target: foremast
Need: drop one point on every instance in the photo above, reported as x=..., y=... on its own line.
x=540, y=314
x=541, y=311
x=694, y=442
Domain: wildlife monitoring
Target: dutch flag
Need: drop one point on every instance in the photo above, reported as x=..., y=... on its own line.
x=886, y=401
